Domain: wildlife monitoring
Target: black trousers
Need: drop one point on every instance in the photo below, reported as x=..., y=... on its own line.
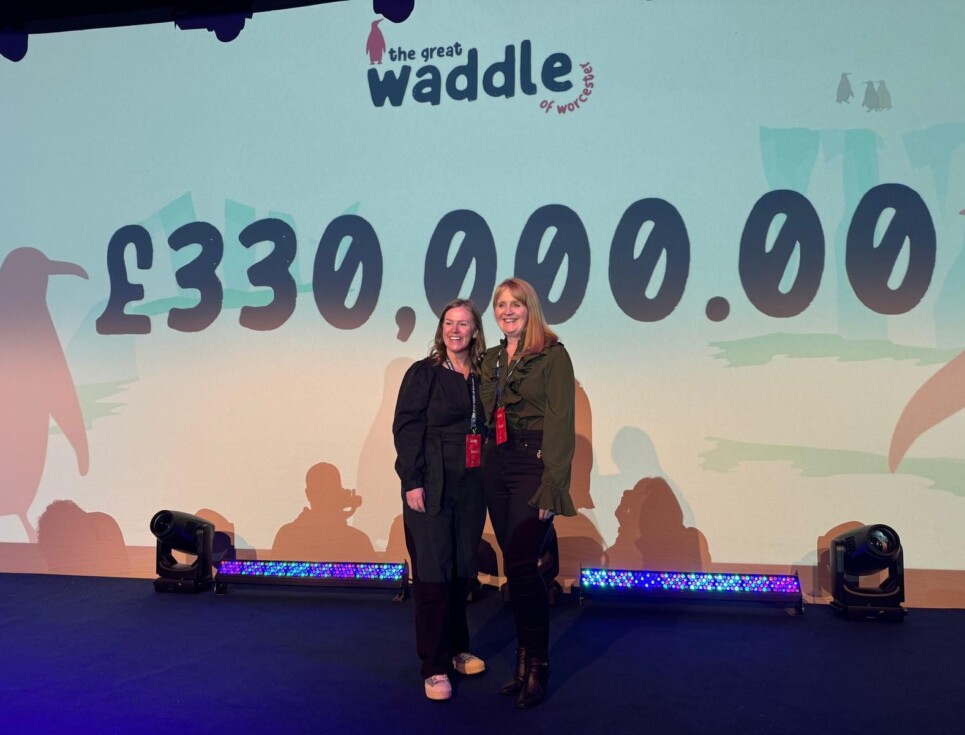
x=443, y=546
x=511, y=476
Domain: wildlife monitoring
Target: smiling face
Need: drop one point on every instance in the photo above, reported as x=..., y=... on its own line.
x=458, y=330
x=511, y=314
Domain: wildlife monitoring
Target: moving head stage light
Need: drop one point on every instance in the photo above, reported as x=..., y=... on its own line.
x=863, y=552
x=192, y=535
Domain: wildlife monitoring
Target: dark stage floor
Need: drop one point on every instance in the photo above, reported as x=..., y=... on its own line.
x=96, y=655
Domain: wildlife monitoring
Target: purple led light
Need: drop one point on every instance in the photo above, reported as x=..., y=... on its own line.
x=698, y=582
x=312, y=570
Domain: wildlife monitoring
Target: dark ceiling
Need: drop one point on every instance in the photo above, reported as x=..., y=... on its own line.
x=51, y=16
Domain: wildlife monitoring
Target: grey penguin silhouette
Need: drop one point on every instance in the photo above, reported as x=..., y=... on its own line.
x=884, y=96
x=845, y=93
x=870, y=96
x=35, y=382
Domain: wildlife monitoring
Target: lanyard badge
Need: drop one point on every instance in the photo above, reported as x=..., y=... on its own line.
x=499, y=418
x=501, y=434
x=473, y=450
x=473, y=440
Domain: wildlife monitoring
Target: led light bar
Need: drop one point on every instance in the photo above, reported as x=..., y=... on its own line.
x=314, y=574
x=784, y=589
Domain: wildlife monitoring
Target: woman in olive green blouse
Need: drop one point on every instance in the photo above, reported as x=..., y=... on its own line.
x=528, y=394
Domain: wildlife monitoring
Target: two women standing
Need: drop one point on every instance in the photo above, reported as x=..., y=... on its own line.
x=515, y=404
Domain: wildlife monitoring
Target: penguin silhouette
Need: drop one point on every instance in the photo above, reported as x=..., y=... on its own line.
x=870, y=97
x=35, y=382
x=845, y=93
x=375, y=46
x=884, y=96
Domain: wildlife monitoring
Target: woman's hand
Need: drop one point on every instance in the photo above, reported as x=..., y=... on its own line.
x=545, y=514
x=416, y=499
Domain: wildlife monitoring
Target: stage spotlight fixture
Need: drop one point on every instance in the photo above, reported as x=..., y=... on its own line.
x=315, y=574
x=781, y=589
x=13, y=44
x=176, y=531
x=225, y=26
x=395, y=10
x=867, y=552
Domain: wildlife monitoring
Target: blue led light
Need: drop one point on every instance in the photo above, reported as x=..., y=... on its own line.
x=631, y=579
x=312, y=570
x=703, y=584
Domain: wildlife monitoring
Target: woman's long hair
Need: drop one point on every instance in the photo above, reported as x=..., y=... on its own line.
x=537, y=333
x=477, y=344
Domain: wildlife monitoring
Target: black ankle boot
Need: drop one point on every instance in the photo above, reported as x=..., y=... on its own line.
x=534, y=686
x=519, y=675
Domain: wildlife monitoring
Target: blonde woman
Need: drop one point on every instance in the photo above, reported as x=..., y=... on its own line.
x=528, y=394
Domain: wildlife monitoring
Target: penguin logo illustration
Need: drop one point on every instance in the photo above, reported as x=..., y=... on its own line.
x=35, y=382
x=940, y=397
x=375, y=46
x=884, y=96
x=845, y=93
x=870, y=97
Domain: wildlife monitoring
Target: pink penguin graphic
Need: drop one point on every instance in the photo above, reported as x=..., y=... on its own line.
x=375, y=46
x=940, y=397
x=35, y=382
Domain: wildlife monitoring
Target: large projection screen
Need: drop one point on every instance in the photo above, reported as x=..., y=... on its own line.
x=745, y=220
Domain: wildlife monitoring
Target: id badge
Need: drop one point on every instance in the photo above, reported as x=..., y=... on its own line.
x=473, y=450
x=501, y=436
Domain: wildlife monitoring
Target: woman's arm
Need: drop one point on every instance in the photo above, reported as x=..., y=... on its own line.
x=559, y=434
x=409, y=425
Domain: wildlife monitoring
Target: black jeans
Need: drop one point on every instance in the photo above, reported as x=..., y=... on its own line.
x=511, y=476
x=443, y=546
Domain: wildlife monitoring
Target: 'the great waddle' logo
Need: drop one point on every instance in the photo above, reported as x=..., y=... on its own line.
x=452, y=70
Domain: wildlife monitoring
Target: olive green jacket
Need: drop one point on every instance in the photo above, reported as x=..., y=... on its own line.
x=540, y=395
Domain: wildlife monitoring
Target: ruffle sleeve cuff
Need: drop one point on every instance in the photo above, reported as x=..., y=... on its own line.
x=555, y=499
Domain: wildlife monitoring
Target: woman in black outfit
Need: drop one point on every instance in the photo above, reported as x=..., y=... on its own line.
x=438, y=430
x=529, y=395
